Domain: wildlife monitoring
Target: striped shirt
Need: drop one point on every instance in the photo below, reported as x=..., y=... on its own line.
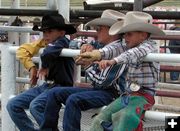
x=110, y=76
x=143, y=73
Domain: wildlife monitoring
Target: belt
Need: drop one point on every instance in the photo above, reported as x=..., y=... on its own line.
x=134, y=87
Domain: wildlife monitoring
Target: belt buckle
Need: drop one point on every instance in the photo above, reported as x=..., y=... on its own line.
x=134, y=87
x=49, y=82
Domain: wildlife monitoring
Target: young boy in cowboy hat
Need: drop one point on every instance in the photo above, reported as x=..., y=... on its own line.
x=126, y=112
x=104, y=83
x=58, y=70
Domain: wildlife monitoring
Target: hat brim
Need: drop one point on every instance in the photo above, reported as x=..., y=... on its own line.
x=101, y=21
x=144, y=27
x=66, y=27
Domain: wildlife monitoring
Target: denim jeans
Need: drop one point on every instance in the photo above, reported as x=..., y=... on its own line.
x=174, y=75
x=75, y=100
x=26, y=100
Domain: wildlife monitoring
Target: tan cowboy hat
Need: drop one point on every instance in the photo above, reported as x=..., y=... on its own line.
x=136, y=21
x=108, y=18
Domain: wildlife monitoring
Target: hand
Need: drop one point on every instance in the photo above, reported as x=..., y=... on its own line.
x=86, y=48
x=43, y=73
x=89, y=56
x=33, y=75
x=103, y=64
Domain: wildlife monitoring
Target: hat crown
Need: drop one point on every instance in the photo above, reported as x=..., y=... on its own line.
x=137, y=17
x=112, y=14
x=55, y=20
x=136, y=21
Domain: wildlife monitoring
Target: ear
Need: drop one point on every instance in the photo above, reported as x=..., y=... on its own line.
x=63, y=32
x=145, y=35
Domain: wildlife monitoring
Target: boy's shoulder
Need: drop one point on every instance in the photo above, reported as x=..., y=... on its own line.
x=63, y=41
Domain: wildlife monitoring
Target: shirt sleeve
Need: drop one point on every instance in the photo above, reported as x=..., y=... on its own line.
x=53, y=51
x=26, y=51
x=105, y=78
x=111, y=51
x=137, y=54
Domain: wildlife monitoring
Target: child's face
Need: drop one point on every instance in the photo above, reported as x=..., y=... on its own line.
x=103, y=34
x=51, y=35
x=133, y=39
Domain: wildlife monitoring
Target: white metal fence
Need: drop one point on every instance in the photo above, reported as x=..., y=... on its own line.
x=8, y=72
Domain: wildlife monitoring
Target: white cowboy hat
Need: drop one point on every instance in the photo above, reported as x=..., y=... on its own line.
x=136, y=21
x=108, y=18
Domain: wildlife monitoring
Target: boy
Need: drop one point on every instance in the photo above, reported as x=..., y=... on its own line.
x=126, y=112
x=104, y=83
x=54, y=30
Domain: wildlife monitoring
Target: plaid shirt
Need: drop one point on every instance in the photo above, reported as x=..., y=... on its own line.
x=108, y=77
x=143, y=73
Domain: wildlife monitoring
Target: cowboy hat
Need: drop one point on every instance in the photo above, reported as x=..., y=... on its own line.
x=136, y=21
x=108, y=18
x=54, y=22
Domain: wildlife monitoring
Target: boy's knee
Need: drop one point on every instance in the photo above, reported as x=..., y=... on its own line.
x=33, y=107
x=10, y=105
x=72, y=99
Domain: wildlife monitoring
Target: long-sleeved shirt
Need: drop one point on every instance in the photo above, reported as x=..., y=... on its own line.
x=143, y=73
x=26, y=51
x=110, y=76
x=61, y=69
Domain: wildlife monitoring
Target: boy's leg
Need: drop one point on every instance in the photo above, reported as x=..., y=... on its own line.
x=130, y=117
x=37, y=107
x=55, y=98
x=80, y=102
x=103, y=121
x=17, y=105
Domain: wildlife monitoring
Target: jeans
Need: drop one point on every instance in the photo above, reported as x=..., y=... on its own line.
x=174, y=75
x=75, y=100
x=26, y=100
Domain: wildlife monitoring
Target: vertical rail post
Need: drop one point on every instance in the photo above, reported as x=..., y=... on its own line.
x=8, y=75
x=138, y=5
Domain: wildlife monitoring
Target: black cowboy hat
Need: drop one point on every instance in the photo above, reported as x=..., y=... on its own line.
x=54, y=22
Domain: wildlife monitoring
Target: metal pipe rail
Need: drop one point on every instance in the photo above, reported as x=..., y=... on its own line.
x=175, y=58
x=8, y=71
x=75, y=14
x=167, y=68
x=169, y=33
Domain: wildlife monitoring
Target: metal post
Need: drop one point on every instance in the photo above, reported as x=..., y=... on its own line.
x=52, y=4
x=7, y=84
x=24, y=37
x=63, y=8
x=138, y=5
x=13, y=37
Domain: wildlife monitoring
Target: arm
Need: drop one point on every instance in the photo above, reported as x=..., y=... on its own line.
x=133, y=55
x=107, y=52
x=137, y=54
x=106, y=77
x=53, y=51
x=26, y=51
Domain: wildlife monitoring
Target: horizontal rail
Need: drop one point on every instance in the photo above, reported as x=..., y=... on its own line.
x=157, y=57
x=169, y=86
x=74, y=13
x=174, y=94
x=159, y=116
x=167, y=68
